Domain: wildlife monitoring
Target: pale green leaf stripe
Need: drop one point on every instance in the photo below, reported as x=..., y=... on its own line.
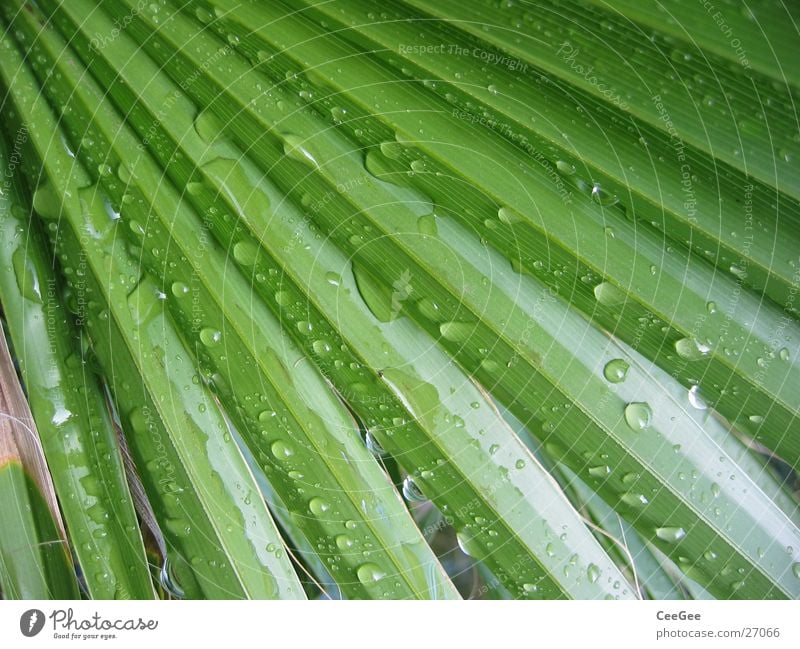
x=196, y=430
x=285, y=232
x=340, y=477
x=578, y=244
x=755, y=33
x=648, y=572
x=71, y=414
x=618, y=537
x=680, y=196
x=770, y=577
x=34, y=559
x=701, y=92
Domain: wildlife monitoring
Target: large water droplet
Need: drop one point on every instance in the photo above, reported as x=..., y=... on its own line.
x=374, y=446
x=426, y=224
x=297, y=148
x=593, y=572
x=670, y=534
x=26, y=275
x=638, y=416
x=616, y=370
x=319, y=506
x=604, y=198
x=282, y=450
x=412, y=492
x=696, y=400
x=210, y=337
x=168, y=581
x=508, y=216
x=392, y=150
x=455, y=331
x=608, y=295
x=634, y=500
x=565, y=168
x=369, y=573
x=691, y=350
x=469, y=545
x=246, y=253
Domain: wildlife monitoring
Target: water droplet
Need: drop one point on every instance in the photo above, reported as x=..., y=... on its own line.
x=297, y=149
x=670, y=534
x=26, y=275
x=565, y=168
x=738, y=271
x=168, y=582
x=203, y=16
x=696, y=400
x=508, y=216
x=608, y=295
x=369, y=573
x=426, y=224
x=634, y=500
x=246, y=253
x=319, y=506
x=412, y=492
x=210, y=337
x=179, y=289
x=392, y=150
x=616, y=370
x=282, y=450
x=796, y=570
x=344, y=542
x=593, y=572
x=638, y=416
x=338, y=114
x=603, y=197
x=756, y=419
x=469, y=544
x=456, y=331
x=373, y=446
x=691, y=350
x=429, y=309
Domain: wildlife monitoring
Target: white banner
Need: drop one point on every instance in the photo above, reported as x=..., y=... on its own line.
x=403, y=625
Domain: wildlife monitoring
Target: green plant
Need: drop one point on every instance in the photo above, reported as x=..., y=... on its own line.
x=360, y=302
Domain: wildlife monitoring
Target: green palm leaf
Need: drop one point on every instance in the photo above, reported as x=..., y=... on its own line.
x=412, y=283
